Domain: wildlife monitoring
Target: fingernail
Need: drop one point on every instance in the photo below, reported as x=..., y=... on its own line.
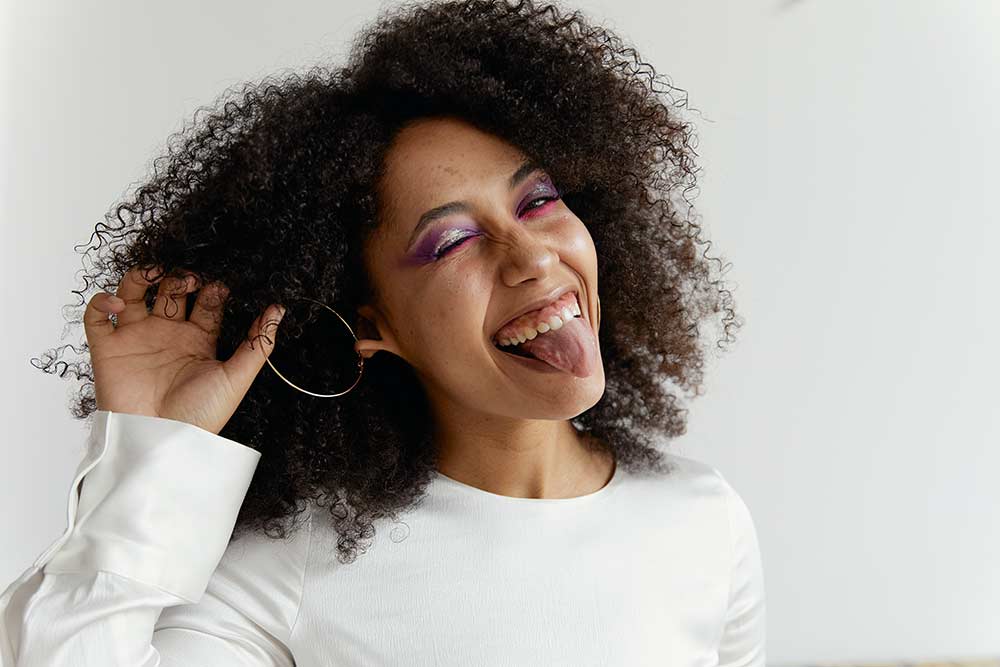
x=115, y=301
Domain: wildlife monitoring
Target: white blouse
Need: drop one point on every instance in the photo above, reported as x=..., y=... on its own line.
x=648, y=570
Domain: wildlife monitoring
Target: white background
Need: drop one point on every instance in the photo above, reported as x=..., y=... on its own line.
x=850, y=165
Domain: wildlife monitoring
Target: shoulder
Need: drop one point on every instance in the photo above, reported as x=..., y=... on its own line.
x=698, y=492
x=257, y=551
x=681, y=476
x=704, y=482
x=711, y=481
x=259, y=577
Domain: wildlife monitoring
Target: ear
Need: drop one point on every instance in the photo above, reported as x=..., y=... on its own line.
x=369, y=330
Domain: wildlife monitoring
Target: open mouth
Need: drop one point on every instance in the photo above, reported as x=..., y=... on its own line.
x=515, y=350
x=518, y=350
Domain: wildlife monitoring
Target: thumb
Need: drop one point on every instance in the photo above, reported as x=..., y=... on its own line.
x=96, y=323
x=249, y=357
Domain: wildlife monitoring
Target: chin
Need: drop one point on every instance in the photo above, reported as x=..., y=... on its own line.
x=566, y=398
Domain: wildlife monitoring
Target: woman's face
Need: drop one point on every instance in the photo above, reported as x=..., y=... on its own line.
x=449, y=279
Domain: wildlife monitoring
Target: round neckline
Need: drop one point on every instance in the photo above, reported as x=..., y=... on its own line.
x=500, y=498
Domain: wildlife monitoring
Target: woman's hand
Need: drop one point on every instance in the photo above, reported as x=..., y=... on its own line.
x=161, y=364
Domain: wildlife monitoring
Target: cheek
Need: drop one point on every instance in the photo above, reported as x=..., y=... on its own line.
x=448, y=320
x=576, y=240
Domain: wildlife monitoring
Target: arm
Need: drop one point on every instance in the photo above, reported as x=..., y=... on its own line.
x=144, y=574
x=743, y=640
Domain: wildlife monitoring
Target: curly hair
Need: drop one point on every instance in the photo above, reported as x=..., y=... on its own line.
x=289, y=168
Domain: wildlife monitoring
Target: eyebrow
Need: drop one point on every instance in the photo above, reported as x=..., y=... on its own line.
x=527, y=168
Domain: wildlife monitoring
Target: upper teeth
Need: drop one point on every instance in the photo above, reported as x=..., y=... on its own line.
x=554, y=323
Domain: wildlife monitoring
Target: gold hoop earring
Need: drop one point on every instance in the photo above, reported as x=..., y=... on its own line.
x=361, y=359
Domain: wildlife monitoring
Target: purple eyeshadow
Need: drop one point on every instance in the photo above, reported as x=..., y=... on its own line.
x=428, y=245
x=440, y=240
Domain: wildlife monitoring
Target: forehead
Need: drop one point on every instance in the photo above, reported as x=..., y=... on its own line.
x=435, y=160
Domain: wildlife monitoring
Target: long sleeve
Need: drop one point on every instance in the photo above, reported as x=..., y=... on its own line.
x=145, y=574
x=743, y=640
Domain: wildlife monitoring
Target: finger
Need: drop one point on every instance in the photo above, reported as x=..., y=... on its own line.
x=250, y=356
x=132, y=290
x=207, y=310
x=96, y=322
x=171, y=297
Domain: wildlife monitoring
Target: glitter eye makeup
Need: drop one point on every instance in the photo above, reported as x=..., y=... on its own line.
x=436, y=246
x=448, y=240
x=549, y=193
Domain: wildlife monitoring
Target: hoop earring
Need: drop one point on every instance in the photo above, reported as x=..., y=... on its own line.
x=361, y=359
x=598, y=310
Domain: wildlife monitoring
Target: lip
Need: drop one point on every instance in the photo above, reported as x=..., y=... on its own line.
x=540, y=302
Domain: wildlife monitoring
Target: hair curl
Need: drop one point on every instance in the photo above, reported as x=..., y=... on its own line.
x=289, y=168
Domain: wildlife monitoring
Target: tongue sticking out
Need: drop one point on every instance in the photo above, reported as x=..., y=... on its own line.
x=572, y=348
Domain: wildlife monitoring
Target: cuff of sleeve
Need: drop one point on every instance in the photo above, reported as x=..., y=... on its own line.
x=158, y=503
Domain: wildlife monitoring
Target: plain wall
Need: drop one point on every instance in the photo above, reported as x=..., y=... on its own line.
x=849, y=153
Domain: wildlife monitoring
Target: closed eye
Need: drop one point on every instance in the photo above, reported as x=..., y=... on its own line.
x=444, y=250
x=545, y=200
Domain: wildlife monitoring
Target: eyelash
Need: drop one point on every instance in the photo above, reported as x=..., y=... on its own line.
x=444, y=251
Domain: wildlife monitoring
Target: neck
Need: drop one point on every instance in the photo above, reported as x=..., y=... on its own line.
x=522, y=458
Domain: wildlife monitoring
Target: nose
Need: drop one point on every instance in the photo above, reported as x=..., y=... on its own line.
x=528, y=256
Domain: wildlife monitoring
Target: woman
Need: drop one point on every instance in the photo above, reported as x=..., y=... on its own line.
x=482, y=485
